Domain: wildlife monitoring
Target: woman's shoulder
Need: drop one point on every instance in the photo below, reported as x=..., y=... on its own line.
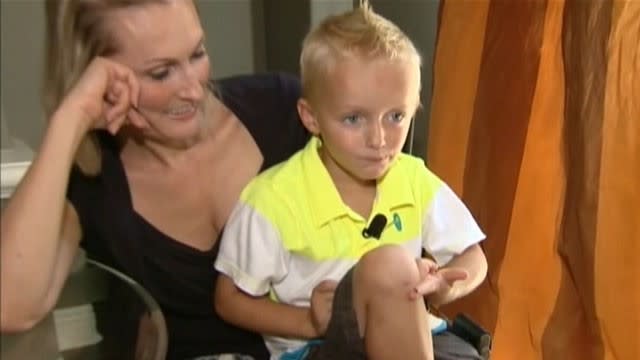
x=260, y=99
x=266, y=104
x=270, y=84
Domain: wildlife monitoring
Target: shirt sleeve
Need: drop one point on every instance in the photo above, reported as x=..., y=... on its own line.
x=251, y=250
x=448, y=227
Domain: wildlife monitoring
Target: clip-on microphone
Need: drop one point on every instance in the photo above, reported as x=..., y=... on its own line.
x=378, y=223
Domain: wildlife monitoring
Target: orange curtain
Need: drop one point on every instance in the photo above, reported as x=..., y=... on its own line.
x=535, y=122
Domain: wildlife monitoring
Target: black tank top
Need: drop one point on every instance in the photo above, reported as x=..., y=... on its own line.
x=181, y=278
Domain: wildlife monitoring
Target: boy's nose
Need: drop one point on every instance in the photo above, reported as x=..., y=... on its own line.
x=375, y=136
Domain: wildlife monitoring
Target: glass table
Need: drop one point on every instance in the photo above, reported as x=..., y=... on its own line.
x=101, y=314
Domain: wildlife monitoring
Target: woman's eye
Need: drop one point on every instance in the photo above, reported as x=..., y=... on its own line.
x=159, y=74
x=198, y=54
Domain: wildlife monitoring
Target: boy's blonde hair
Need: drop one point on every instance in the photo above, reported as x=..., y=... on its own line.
x=360, y=32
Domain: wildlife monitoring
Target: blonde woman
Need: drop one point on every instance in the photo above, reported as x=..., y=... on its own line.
x=142, y=161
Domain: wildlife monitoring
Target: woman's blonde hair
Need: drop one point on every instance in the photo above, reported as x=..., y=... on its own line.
x=76, y=33
x=360, y=32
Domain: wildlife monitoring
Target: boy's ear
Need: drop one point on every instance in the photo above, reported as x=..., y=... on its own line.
x=307, y=116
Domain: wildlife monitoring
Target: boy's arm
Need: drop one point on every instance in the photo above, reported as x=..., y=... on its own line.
x=260, y=314
x=450, y=236
x=471, y=260
x=251, y=258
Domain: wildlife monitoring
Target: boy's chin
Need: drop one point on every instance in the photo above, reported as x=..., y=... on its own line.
x=372, y=176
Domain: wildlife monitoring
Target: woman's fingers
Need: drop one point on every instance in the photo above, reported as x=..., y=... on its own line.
x=136, y=119
x=123, y=106
x=116, y=113
x=134, y=88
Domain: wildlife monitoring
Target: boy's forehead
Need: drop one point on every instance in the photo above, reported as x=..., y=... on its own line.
x=360, y=80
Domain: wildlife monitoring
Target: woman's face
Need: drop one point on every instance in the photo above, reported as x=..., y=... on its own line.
x=164, y=45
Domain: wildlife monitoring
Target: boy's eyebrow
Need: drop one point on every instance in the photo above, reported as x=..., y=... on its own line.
x=170, y=61
x=352, y=108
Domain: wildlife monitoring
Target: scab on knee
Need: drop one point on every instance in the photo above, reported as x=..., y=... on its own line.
x=387, y=268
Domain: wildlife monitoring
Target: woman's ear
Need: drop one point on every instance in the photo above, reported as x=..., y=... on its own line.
x=308, y=117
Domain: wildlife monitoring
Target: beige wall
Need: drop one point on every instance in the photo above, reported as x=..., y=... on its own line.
x=418, y=19
x=22, y=27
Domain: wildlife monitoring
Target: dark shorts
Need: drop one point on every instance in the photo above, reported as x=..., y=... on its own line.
x=342, y=339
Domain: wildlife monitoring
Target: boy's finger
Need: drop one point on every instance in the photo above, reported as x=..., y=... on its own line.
x=451, y=275
x=426, y=267
x=327, y=285
x=425, y=287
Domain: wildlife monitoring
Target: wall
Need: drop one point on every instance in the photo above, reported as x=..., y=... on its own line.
x=419, y=20
x=22, y=29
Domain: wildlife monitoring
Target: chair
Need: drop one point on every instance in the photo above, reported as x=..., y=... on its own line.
x=101, y=314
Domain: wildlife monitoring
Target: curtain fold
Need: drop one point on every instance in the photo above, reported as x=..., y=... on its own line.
x=535, y=123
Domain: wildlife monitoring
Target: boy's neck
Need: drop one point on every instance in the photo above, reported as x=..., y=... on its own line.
x=358, y=197
x=357, y=194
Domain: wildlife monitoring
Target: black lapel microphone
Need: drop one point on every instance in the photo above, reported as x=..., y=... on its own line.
x=378, y=223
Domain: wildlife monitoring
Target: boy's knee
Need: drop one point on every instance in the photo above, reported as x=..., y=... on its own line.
x=387, y=268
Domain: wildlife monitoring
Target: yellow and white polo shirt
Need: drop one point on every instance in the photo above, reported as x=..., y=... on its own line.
x=291, y=230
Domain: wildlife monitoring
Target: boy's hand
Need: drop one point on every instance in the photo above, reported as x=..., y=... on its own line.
x=321, y=305
x=435, y=283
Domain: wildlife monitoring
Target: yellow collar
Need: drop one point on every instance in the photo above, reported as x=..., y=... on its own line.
x=393, y=190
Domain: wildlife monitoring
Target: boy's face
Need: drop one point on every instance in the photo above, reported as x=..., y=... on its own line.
x=362, y=112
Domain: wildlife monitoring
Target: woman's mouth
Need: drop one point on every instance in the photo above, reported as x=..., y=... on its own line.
x=182, y=113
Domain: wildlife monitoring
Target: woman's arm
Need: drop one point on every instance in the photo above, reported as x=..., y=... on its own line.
x=260, y=314
x=40, y=231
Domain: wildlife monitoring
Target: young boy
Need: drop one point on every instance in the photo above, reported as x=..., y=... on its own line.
x=319, y=218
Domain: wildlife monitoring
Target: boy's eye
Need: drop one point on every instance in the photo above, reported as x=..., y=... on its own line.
x=396, y=117
x=351, y=119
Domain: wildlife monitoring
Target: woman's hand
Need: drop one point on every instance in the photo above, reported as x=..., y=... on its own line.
x=105, y=96
x=321, y=305
x=436, y=283
x=147, y=340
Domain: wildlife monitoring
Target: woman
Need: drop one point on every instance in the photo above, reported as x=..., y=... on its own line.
x=141, y=165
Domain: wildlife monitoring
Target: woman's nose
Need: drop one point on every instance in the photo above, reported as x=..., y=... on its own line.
x=192, y=88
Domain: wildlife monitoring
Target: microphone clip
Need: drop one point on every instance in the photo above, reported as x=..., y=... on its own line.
x=376, y=227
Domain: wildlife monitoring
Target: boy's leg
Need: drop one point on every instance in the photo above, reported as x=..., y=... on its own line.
x=394, y=327
x=373, y=317
x=342, y=340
